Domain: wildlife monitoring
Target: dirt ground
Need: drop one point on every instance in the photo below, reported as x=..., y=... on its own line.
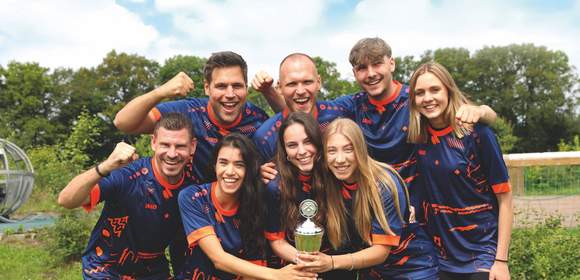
x=531, y=209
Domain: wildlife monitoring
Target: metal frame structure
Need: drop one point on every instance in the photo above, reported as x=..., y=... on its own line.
x=16, y=179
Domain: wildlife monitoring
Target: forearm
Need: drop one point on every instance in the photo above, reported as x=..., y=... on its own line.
x=234, y=265
x=274, y=99
x=505, y=201
x=77, y=192
x=374, y=255
x=284, y=250
x=130, y=119
x=488, y=115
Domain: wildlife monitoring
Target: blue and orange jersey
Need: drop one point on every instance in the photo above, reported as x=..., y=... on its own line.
x=412, y=255
x=203, y=216
x=139, y=220
x=461, y=178
x=208, y=130
x=384, y=124
x=267, y=135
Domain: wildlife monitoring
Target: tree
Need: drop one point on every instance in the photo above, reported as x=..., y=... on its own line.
x=27, y=105
x=332, y=85
x=191, y=65
x=533, y=88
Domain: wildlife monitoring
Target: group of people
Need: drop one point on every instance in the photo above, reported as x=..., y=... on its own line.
x=409, y=180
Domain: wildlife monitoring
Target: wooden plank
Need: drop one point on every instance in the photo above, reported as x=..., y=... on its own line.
x=542, y=159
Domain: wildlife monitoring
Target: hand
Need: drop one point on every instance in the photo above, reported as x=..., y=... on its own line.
x=121, y=156
x=262, y=81
x=499, y=271
x=412, y=218
x=295, y=271
x=468, y=114
x=178, y=86
x=315, y=262
x=268, y=172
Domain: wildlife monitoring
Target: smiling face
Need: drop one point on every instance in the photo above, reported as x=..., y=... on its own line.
x=230, y=169
x=375, y=77
x=341, y=157
x=299, y=83
x=431, y=99
x=300, y=150
x=172, y=150
x=227, y=93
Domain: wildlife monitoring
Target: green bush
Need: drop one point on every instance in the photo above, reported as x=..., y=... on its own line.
x=545, y=251
x=69, y=236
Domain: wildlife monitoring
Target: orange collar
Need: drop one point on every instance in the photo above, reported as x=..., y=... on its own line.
x=162, y=180
x=350, y=187
x=435, y=134
x=217, y=204
x=380, y=104
x=223, y=129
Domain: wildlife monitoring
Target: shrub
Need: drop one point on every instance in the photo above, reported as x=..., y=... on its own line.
x=545, y=251
x=69, y=236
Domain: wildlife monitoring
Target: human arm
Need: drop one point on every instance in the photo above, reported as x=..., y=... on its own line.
x=371, y=256
x=77, y=192
x=471, y=114
x=284, y=250
x=134, y=118
x=263, y=83
x=234, y=265
x=499, y=269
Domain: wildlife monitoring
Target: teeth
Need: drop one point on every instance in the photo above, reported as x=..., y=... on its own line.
x=230, y=180
x=341, y=168
x=301, y=100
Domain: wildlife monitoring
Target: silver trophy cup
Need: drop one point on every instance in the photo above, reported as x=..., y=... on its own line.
x=308, y=235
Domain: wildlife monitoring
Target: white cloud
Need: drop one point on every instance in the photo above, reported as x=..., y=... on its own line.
x=70, y=33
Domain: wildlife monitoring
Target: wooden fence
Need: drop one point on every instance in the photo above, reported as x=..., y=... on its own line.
x=516, y=164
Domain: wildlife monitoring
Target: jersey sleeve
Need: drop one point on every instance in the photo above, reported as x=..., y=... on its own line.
x=273, y=228
x=183, y=106
x=195, y=214
x=379, y=236
x=492, y=160
x=347, y=103
x=266, y=137
x=109, y=188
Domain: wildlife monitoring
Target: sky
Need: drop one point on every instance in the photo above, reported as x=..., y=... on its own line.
x=79, y=33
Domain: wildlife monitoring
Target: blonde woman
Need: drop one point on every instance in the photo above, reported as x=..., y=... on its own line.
x=468, y=200
x=376, y=213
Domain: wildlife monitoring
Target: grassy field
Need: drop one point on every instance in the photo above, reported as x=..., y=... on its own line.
x=30, y=260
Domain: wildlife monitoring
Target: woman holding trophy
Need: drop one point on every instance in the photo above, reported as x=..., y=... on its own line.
x=223, y=219
x=376, y=213
x=299, y=190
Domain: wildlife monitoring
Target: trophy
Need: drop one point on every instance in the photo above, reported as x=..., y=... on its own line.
x=308, y=235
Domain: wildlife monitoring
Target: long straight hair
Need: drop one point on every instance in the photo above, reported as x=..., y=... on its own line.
x=371, y=176
x=251, y=195
x=289, y=183
x=418, y=123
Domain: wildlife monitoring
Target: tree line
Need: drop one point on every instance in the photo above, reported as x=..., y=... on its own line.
x=533, y=89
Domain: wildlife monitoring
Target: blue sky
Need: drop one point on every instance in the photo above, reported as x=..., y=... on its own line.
x=78, y=33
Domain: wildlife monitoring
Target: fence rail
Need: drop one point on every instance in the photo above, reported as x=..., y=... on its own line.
x=517, y=164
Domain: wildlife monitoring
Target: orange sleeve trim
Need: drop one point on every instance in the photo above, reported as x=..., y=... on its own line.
x=95, y=196
x=155, y=114
x=198, y=234
x=389, y=240
x=502, y=187
x=272, y=236
x=259, y=262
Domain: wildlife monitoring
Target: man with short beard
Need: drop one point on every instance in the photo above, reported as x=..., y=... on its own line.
x=141, y=216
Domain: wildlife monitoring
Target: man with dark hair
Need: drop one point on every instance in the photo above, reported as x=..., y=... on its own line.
x=141, y=216
x=224, y=111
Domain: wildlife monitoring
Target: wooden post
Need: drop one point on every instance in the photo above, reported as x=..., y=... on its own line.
x=517, y=180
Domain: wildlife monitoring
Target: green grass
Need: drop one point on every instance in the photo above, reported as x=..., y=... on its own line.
x=31, y=261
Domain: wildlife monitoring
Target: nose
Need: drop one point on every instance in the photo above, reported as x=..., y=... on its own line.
x=230, y=92
x=301, y=149
x=229, y=169
x=172, y=152
x=339, y=157
x=371, y=71
x=300, y=89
